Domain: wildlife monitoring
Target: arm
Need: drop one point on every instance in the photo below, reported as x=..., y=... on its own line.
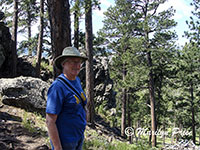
x=52, y=130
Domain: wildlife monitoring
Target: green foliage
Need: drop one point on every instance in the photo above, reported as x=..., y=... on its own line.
x=194, y=24
x=28, y=13
x=27, y=123
x=187, y=65
x=102, y=144
x=28, y=46
x=109, y=115
x=44, y=65
x=34, y=123
x=97, y=144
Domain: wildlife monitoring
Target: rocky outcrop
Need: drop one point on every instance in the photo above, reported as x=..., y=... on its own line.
x=25, y=92
x=25, y=68
x=103, y=84
x=5, y=51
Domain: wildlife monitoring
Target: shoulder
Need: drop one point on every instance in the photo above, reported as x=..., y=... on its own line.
x=56, y=85
x=78, y=79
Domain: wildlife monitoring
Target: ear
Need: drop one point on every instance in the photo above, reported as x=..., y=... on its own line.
x=63, y=64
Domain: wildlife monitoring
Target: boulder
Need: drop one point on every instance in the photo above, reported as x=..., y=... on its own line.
x=24, y=92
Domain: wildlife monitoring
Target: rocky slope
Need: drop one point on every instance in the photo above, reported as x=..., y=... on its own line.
x=18, y=132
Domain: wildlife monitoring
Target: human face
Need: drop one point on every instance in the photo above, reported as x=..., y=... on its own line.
x=71, y=67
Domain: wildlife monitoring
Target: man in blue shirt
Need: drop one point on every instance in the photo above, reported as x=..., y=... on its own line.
x=65, y=112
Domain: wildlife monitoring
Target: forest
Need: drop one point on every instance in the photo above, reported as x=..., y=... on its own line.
x=157, y=82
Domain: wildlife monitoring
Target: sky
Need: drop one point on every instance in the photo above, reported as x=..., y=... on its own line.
x=183, y=12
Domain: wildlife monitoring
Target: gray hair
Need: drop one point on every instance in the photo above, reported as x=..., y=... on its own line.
x=65, y=60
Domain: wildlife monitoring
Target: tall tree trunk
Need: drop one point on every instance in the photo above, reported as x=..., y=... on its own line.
x=152, y=100
x=89, y=63
x=151, y=80
x=123, y=117
x=193, y=113
x=76, y=24
x=59, y=15
x=29, y=32
x=14, y=38
x=129, y=117
x=40, y=39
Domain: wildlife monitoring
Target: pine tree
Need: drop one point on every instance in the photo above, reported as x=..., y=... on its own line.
x=191, y=59
x=28, y=16
x=40, y=38
x=138, y=19
x=188, y=77
x=14, y=37
x=77, y=14
x=89, y=63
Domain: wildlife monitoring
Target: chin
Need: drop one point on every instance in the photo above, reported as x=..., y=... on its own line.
x=75, y=74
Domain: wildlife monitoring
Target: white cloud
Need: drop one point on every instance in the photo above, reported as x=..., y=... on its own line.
x=182, y=7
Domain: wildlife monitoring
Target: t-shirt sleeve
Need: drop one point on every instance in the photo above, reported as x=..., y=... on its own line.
x=54, y=99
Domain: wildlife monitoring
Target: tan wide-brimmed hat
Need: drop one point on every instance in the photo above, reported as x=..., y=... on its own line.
x=68, y=52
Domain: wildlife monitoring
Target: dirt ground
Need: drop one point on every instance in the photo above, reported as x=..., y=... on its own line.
x=14, y=135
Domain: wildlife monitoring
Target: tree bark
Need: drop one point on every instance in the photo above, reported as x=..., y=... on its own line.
x=29, y=31
x=152, y=100
x=129, y=117
x=89, y=63
x=151, y=79
x=14, y=38
x=76, y=24
x=40, y=39
x=193, y=114
x=123, y=117
x=59, y=15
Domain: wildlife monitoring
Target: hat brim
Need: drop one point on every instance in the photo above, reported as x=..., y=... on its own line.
x=61, y=58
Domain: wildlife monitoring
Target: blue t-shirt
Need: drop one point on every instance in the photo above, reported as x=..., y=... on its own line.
x=62, y=101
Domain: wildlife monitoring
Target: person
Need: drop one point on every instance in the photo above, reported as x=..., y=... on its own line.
x=65, y=113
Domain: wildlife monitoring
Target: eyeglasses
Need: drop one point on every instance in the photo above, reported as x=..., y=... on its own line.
x=74, y=62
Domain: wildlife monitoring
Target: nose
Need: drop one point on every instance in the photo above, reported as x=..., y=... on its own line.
x=77, y=65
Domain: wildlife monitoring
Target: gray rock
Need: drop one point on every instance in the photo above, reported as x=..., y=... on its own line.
x=5, y=51
x=2, y=57
x=1, y=15
x=3, y=145
x=103, y=84
x=24, y=92
x=25, y=68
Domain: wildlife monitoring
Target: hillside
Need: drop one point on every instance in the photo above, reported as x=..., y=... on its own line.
x=22, y=130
